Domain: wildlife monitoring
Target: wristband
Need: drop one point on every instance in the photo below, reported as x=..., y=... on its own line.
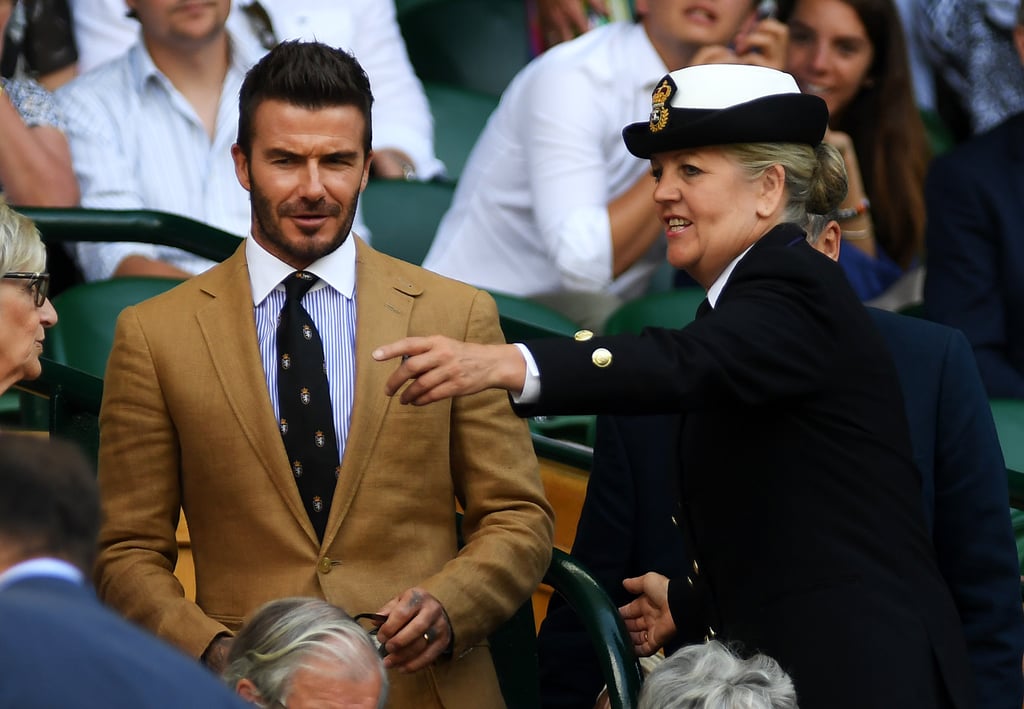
x=851, y=212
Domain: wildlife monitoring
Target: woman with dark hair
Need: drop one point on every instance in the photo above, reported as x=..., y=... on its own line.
x=852, y=54
x=799, y=502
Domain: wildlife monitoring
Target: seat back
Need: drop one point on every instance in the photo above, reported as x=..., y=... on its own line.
x=403, y=216
x=66, y=402
x=468, y=43
x=87, y=314
x=60, y=225
x=673, y=309
x=1008, y=415
x=460, y=115
x=524, y=319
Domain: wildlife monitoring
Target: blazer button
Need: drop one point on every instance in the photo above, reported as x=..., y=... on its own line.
x=601, y=357
x=689, y=580
x=583, y=335
x=675, y=521
x=696, y=569
x=324, y=565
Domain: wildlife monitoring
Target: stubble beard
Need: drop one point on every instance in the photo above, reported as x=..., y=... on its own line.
x=267, y=223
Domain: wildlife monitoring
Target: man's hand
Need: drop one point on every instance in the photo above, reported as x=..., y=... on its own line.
x=416, y=632
x=648, y=618
x=763, y=44
x=440, y=367
x=564, y=19
x=216, y=655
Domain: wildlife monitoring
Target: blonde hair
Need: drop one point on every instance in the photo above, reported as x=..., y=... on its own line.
x=21, y=248
x=815, y=177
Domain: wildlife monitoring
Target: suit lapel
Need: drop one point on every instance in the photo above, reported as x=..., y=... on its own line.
x=384, y=303
x=229, y=330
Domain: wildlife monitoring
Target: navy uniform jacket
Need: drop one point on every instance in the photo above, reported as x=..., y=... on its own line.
x=626, y=526
x=975, y=279
x=59, y=647
x=801, y=505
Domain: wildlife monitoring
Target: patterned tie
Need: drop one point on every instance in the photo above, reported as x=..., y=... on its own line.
x=304, y=400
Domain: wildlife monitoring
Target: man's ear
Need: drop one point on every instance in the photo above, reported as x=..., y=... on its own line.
x=247, y=690
x=773, y=190
x=366, y=170
x=241, y=167
x=831, y=240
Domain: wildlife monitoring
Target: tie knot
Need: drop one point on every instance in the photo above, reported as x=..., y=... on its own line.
x=298, y=284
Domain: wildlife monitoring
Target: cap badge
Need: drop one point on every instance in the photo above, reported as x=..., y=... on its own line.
x=659, y=110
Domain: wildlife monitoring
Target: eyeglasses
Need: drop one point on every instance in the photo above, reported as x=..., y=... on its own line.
x=377, y=619
x=38, y=284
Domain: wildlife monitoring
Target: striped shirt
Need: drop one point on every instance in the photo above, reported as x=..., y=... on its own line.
x=137, y=143
x=331, y=303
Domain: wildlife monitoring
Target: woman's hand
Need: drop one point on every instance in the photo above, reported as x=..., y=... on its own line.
x=647, y=617
x=439, y=367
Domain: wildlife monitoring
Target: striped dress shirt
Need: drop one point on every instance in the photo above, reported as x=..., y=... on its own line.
x=137, y=143
x=331, y=303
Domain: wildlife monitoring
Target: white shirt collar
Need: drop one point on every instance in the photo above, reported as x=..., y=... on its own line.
x=719, y=285
x=337, y=269
x=42, y=567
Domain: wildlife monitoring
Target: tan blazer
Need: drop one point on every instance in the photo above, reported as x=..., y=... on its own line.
x=187, y=421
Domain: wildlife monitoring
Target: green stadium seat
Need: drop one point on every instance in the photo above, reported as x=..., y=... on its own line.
x=459, y=117
x=468, y=43
x=403, y=215
x=672, y=308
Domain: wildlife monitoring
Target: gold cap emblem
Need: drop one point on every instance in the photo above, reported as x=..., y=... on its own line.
x=659, y=110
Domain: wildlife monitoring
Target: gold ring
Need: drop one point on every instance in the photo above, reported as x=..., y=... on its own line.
x=429, y=635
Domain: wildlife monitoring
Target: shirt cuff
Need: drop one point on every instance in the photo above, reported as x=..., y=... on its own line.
x=531, y=387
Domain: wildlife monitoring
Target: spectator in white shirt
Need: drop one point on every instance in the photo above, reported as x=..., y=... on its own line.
x=153, y=129
x=550, y=205
x=140, y=138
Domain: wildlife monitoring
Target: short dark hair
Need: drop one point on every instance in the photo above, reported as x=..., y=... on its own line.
x=311, y=75
x=49, y=500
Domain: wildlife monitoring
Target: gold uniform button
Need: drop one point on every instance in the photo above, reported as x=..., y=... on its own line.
x=696, y=569
x=601, y=357
x=583, y=335
x=324, y=565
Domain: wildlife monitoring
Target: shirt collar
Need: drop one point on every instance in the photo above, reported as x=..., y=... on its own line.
x=42, y=567
x=241, y=58
x=337, y=269
x=719, y=285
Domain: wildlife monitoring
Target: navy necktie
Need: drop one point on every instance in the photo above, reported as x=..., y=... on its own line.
x=304, y=401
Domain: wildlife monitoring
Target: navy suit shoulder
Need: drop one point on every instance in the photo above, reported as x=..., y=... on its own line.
x=61, y=648
x=966, y=505
x=976, y=253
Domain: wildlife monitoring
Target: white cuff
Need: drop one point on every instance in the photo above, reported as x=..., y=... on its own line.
x=531, y=387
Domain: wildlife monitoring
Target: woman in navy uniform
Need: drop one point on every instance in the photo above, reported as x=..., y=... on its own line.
x=800, y=503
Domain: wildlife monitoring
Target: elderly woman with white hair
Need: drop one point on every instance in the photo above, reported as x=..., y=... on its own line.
x=710, y=676
x=304, y=653
x=25, y=311
x=799, y=502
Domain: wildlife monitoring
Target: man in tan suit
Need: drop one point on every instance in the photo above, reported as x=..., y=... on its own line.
x=187, y=421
